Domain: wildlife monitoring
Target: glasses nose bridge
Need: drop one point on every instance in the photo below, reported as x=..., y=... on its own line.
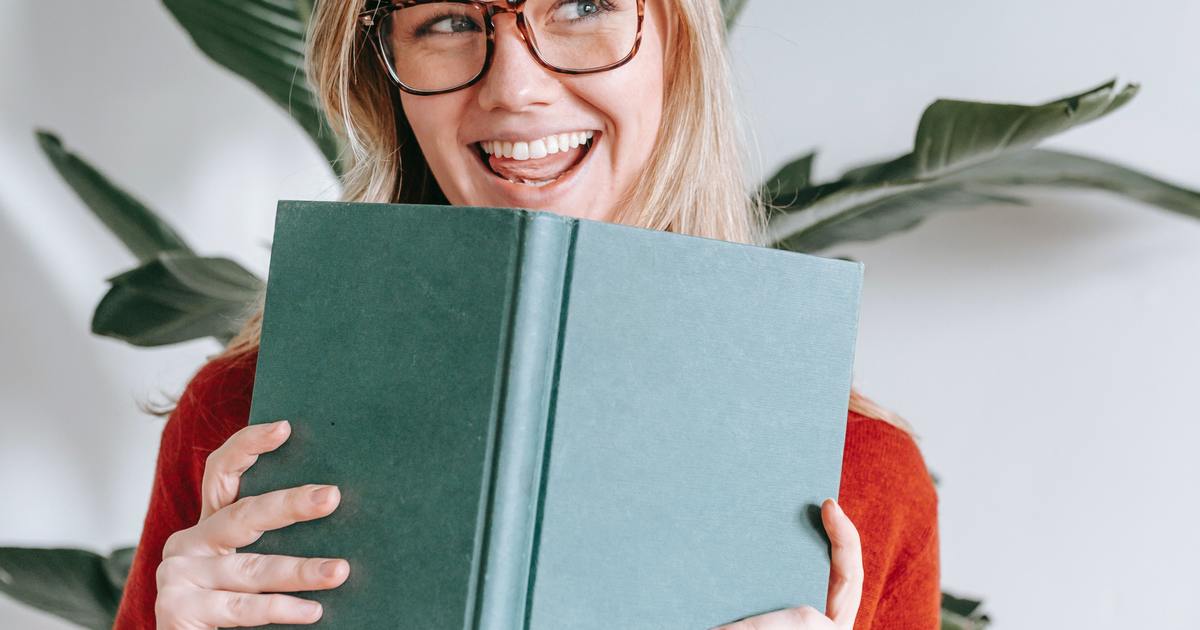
x=500, y=7
x=517, y=9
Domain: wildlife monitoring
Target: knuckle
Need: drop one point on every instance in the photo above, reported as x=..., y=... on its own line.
x=298, y=501
x=251, y=566
x=238, y=606
x=277, y=606
x=212, y=463
x=805, y=614
x=174, y=544
x=855, y=574
x=242, y=510
x=168, y=571
x=309, y=571
x=168, y=603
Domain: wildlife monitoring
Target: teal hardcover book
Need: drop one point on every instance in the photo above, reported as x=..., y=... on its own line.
x=539, y=422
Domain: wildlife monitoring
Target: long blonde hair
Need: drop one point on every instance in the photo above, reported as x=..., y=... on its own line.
x=699, y=135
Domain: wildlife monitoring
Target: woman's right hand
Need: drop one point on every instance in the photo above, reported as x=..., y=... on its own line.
x=204, y=583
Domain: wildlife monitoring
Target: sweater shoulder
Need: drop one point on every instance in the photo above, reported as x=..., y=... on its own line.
x=215, y=404
x=885, y=479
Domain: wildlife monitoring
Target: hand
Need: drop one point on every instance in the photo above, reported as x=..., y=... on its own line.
x=845, y=583
x=203, y=583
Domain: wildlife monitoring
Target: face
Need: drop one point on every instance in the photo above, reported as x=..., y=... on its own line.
x=523, y=109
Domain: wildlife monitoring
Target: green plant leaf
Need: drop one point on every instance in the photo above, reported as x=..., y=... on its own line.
x=965, y=154
x=138, y=227
x=263, y=42
x=868, y=212
x=176, y=298
x=954, y=134
x=1059, y=169
x=959, y=613
x=794, y=177
x=73, y=584
x=731, y=9
x=117, y=565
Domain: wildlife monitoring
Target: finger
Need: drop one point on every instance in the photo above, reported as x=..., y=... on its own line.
x=802, y=618
x=188, y=607
x=256, y=573
x=245, y=520
x=846, y=565
x=224, y=467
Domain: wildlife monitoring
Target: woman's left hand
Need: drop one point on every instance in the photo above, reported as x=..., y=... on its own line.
x=845, y=583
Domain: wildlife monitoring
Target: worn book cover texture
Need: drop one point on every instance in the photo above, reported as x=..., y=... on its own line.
x=543, y=422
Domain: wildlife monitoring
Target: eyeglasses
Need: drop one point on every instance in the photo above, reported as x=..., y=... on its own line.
x=438, y=46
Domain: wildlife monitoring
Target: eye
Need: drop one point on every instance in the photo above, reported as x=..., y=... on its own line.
x=451, y=25
x=572, y=10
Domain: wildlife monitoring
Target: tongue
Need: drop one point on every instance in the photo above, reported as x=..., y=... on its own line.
x=537, y=170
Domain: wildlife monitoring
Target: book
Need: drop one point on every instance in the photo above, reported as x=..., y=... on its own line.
x=542, y=422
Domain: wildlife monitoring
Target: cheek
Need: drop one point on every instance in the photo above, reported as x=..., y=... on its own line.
x=632, y=100
x=435, y=121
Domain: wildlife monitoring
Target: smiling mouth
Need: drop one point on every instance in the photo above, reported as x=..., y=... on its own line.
x=539, y=162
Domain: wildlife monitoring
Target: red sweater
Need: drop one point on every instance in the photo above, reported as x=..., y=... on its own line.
x=885, y=490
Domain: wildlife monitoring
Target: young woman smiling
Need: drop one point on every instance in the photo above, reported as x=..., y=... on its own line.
x=611, y=110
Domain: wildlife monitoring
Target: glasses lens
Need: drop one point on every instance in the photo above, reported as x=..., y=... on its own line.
x=583, y=34
x=435, y=46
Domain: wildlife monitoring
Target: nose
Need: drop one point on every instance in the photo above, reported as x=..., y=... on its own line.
x=516, y=81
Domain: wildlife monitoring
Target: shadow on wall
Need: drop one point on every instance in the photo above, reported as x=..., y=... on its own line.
x=54, y=435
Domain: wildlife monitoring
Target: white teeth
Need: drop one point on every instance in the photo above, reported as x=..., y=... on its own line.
x=537, y=149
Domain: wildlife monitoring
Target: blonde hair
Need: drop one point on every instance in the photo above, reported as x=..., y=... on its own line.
x=699, y=135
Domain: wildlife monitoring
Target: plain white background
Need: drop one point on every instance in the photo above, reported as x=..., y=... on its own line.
x=1046, y=354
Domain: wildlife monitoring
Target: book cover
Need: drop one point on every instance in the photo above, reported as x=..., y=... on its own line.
x=543, y=422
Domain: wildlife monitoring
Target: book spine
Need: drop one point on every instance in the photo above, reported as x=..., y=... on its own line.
x=522, y=432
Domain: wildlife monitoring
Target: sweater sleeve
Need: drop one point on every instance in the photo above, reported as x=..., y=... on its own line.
x=888, y=494
x=213, y=406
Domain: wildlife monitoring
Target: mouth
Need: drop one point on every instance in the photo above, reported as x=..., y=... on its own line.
x=537, y=162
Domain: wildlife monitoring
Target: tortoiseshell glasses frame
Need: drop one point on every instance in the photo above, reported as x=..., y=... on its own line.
x=370, y=19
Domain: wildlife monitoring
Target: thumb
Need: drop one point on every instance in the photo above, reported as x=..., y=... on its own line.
x=846, y=565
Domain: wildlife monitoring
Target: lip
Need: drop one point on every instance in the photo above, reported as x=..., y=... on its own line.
x=529, y=196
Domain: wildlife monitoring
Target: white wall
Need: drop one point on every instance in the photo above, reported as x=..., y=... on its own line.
x=1047, y=354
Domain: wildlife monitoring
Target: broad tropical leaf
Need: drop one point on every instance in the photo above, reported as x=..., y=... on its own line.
x=868, y=213
x=263, y=42
x=962, y=158
x=139, y=228
x=73, y=584
x=175, y=298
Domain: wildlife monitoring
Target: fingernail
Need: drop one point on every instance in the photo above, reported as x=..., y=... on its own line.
x=280, y=425
x=323, y=494
x=329, y=568
x=311, y=608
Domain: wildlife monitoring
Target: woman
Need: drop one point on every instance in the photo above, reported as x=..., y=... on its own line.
x=613, y=110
